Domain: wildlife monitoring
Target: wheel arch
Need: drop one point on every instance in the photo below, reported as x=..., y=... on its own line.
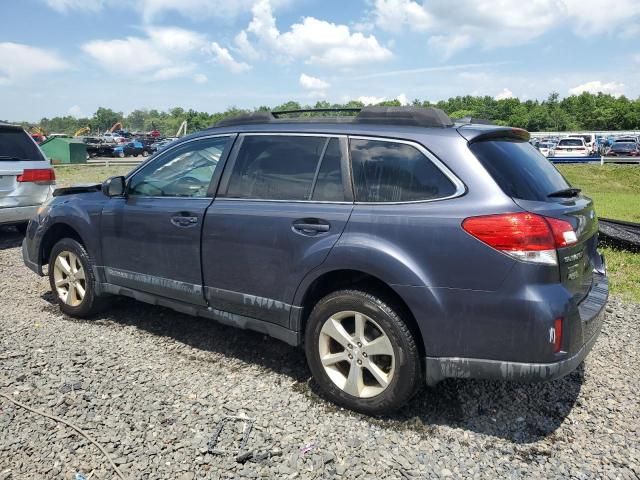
x=54, y=234
x=341, y=279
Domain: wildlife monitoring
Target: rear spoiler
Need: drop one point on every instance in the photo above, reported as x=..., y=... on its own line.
x=83, y=188
x=479, y=134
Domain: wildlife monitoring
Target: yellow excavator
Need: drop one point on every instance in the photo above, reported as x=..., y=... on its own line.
x=82, y=131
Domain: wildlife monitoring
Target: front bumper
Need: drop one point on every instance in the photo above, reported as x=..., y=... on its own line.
x=9, y=215
x=591, y=311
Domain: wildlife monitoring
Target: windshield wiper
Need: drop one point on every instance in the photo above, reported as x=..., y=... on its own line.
x=565, y=192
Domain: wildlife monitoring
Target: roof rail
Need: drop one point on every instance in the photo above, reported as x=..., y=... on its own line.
x=246, y=119
x=409, y=116
x=277, y=113
x=413, y=116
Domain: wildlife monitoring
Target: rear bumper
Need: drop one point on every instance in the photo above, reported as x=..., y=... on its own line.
x=10, y=215
x=591, y=312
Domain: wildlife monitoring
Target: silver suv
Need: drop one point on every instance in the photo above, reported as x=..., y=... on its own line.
x=26, y=177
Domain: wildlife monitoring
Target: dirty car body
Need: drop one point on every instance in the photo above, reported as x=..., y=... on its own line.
x=477, y=307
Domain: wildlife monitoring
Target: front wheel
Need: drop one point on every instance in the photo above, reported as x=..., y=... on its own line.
x=145, y=153
x=361, y=353
x=121, y=154
x=72, y=279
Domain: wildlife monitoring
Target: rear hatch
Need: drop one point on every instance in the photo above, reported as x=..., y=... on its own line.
x=19, y=154
x=537, y=186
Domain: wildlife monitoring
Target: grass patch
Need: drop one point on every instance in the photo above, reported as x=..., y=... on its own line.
x=67, y=176
x=615, y=189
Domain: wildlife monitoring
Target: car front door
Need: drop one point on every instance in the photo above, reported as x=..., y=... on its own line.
x=151, y=235
x=283, y=202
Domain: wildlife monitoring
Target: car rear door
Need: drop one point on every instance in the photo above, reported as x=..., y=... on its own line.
x=26, y=177
x=283, y=203
x=151, y=236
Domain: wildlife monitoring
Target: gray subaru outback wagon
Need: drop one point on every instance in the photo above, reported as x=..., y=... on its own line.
x=398, y=247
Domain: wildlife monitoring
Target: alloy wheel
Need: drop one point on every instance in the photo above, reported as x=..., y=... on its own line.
x=356, y=354
x=69, y=278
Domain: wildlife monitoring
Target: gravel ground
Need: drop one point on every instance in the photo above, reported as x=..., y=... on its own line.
x=154, y=386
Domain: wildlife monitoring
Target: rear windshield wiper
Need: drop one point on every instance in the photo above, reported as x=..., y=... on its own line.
x=565, y=192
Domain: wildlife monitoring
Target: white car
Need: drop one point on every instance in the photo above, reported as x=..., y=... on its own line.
x=545, y=148
x=570, y=147
x=26, y=177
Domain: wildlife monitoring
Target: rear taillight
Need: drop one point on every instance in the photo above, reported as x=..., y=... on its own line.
x=556, y=335
x=41, y=176
x=524, y=236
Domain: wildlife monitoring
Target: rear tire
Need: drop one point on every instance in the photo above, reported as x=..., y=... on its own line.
x=72, y=279
x=361, y=353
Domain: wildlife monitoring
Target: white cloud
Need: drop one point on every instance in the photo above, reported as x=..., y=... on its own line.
x=394, y=15
x=314, y=41
x=200, y=78
x=20, y=62
x=75, y=111
x=67, y=5
x=596, y=86
x=222, y=56
x=370, y=100
x=502, y=23
x=504, y=94
x=160, y=56
x=312, y=83
x=244, y=47
x=402, y=98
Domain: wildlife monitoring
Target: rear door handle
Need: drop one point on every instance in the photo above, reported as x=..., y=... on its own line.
x=311, y=228
x=184, y=220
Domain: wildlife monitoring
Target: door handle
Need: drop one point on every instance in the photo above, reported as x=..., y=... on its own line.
x=184, y=220
x=310, y=227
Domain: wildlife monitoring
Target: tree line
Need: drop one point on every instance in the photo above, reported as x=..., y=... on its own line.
x=586, y=111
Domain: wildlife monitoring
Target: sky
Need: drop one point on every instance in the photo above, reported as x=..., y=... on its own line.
x=68, y=57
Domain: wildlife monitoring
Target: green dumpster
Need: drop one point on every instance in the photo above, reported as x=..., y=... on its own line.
x=61, y=150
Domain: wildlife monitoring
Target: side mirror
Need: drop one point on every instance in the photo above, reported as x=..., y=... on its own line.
x=114, y=187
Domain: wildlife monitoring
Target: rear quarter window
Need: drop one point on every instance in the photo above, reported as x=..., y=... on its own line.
x=519, y=169
x=388, y=171
x=16, y=145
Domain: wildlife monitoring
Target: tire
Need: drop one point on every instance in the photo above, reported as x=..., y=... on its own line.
x=145, y=153
x=70, y=251
x=135, y=154
x=401, y=371
x=121, y=154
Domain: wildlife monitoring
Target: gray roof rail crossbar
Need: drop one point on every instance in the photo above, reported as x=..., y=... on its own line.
x=277, y=113
x=412, y=116
x=409, y=116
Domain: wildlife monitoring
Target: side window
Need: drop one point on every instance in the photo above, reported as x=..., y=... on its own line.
x=276, y=167
x=329, y=186
x=386, y=171
x=185, y=171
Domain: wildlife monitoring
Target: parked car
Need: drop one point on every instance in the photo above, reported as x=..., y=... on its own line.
x=131, y=149
x=398, y=248
x=570, y=147
x=26, y=177
x=157, y=146
x=623, y=149
x=545, y=148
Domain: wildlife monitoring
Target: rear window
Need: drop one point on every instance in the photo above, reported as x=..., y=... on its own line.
x=570, y=142
x=386, y=171
x=16, y=145
x=519, y=169
x=282, y=167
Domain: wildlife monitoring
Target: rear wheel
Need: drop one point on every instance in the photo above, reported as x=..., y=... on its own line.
x=121, y=154
x=361, y=353
x=72, y=279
